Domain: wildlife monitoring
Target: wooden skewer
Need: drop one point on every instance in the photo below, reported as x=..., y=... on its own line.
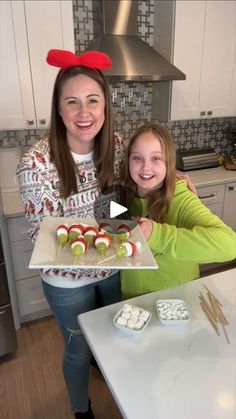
x=212, y=303
x=215, y=313
x=75, y=260
x=213, y=296
x=106, y=259
x=210, y=318
x=69, y=241
x=225, y=333
x=58, y=250
x=220, y=314
x=216, y=307
x=207, y=305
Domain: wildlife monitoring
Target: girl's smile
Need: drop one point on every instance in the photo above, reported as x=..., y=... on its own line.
x=146, y=163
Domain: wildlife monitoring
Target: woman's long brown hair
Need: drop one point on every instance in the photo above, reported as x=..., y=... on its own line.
x=159, y=199
x=103, y=153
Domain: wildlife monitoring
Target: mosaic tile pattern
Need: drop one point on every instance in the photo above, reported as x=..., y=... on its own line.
x=26, y=138
x=146, y=21
x=83, y=24
x=132, y=101
x=218, y=133
x=132, y=106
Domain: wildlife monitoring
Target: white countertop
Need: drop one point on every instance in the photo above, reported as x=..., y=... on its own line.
x=169, y=372
x=212, y=176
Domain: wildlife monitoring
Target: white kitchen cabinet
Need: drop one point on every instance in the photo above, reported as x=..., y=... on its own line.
x=221, y=200
x=200, y=40
x=229, y=211
x=213, y=197
x=28, y=30
x=31, y=300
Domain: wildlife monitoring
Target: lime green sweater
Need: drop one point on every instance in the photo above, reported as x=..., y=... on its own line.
x=191, y=235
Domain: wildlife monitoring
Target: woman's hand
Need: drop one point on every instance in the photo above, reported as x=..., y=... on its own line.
x=188, y=180
x=146, y=227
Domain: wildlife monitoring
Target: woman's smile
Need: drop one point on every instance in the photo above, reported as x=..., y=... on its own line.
x=82, y=107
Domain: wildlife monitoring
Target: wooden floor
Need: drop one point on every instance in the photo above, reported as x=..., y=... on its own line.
x=31, y=382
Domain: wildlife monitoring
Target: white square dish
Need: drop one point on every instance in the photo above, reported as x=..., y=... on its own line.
x=132, y=319
x=173, y=312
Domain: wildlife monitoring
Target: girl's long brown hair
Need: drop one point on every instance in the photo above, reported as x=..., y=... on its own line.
x=159, y=199
x=103, y=153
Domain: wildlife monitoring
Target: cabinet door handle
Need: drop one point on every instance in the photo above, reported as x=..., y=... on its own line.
x=231, y=188
x=206, y=196
x=30, y=121
x=42, y=300
x=202, y=113
x=42, y=121
x=209, y=112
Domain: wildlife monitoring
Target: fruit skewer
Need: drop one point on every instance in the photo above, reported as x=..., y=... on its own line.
x=78, y=247
x=62, y=234
x=123, y=233
x=75, y=230
x=90, y=233
x=126, y=249
x=102, y=242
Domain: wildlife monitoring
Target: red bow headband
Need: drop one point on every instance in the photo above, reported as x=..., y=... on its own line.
x=92, y=59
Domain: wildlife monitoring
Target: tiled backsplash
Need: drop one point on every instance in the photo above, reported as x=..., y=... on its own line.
x=132, y=101
x=215, y=133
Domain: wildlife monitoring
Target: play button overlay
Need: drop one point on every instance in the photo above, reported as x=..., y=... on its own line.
x=116, y=209
x=112, y=207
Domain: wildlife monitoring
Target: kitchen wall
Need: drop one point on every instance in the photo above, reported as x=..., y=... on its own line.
x=132, y=101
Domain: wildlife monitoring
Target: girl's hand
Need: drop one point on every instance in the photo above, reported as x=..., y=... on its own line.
x=189, y=182
x=146, y=227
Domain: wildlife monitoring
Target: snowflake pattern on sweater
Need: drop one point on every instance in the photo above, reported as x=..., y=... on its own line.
x=39, y=188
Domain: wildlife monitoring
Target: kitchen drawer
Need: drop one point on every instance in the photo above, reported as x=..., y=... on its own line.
x=21, y=253
x=30, y=296
x=211, y=194
x=18, y=228
x=213, y=197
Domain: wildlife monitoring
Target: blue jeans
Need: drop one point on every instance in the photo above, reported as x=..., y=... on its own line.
x=66, y=304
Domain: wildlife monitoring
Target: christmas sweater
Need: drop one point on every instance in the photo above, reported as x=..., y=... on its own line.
x=39, y=189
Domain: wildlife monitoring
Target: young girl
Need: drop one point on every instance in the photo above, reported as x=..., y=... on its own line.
x=181, y=232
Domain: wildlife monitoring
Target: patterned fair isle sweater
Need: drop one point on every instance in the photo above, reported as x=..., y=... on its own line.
x=39, y=189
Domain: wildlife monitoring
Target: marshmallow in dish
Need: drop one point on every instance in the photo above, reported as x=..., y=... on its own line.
x=172, y=311
x=132, y=318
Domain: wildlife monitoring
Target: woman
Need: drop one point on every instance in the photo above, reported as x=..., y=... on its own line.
x=61, y=176
x=181, y=232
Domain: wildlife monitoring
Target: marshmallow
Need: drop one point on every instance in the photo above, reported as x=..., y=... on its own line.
x=121, y=321
x=133, y=317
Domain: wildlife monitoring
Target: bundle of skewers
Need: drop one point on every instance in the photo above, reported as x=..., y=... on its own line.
x=213, y=311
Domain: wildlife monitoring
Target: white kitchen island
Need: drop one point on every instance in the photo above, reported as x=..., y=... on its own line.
x=167, y=372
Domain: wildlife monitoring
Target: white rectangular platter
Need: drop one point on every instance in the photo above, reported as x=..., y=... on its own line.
x=48, y=254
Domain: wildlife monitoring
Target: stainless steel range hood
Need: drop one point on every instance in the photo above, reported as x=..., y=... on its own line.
x=116, y=33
